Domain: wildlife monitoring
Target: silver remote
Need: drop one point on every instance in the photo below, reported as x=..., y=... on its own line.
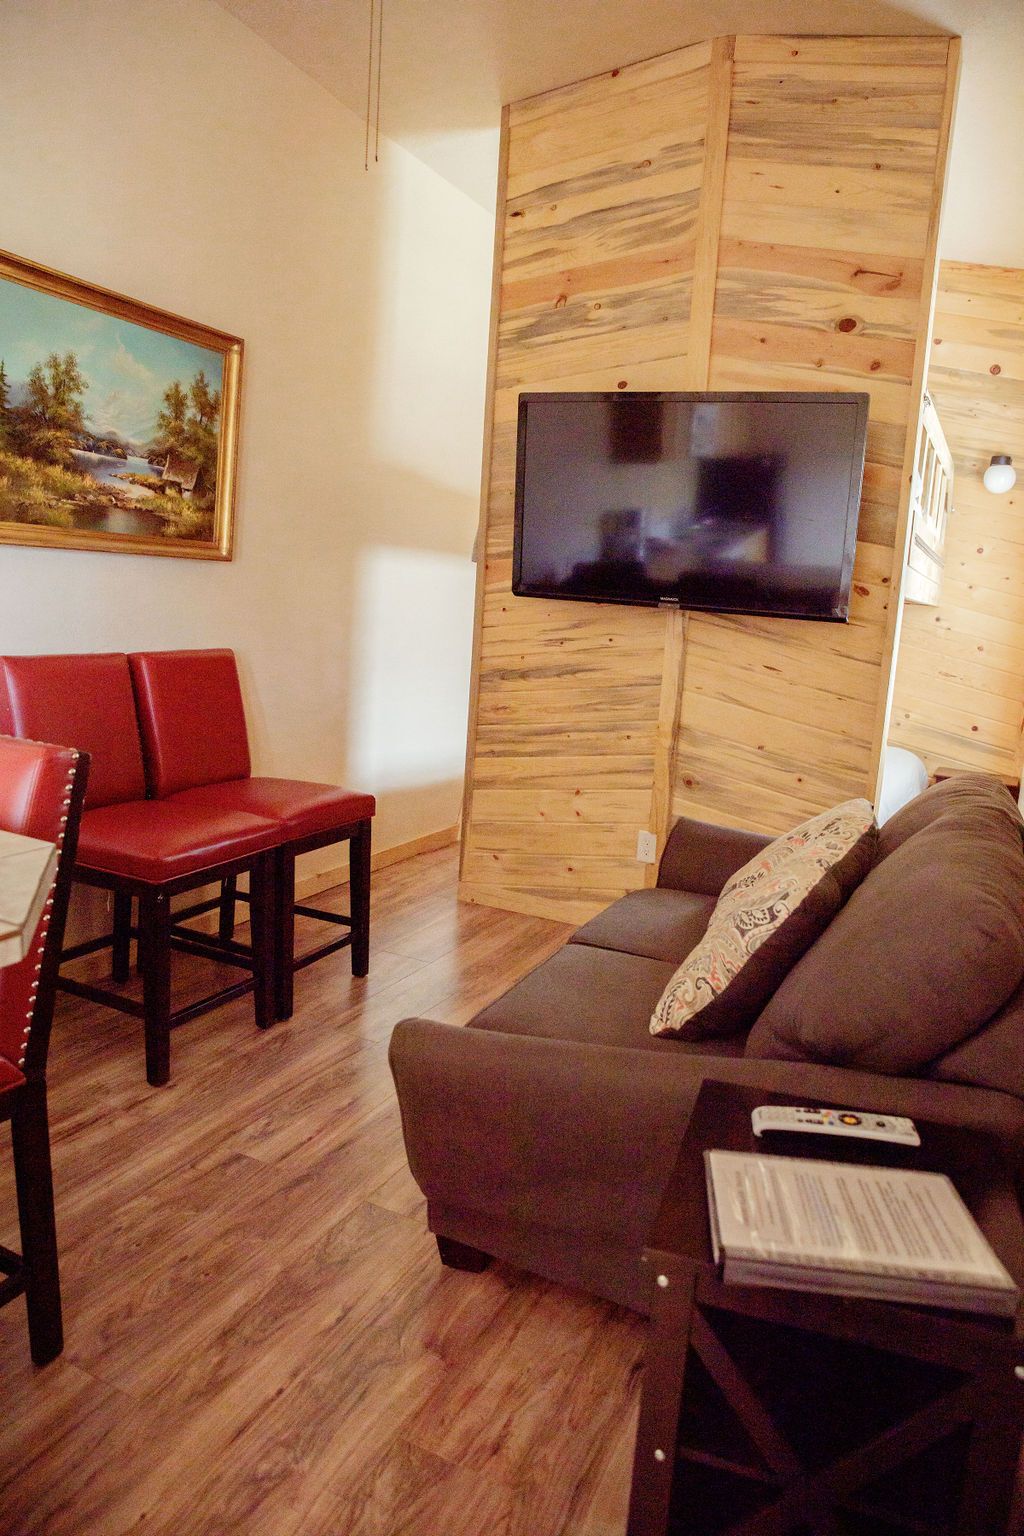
x=861, y=1123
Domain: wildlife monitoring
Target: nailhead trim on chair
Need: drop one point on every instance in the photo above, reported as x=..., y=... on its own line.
x=44, y=922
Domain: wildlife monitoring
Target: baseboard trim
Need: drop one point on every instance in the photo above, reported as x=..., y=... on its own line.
x=428, y=843
x=338, y=873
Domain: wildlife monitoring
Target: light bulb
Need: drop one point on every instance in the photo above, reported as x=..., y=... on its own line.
x=1000, y=475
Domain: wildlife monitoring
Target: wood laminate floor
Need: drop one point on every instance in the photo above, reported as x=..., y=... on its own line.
x=260, y=1338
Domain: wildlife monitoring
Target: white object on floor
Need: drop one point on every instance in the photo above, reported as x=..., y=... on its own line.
x=904, y=777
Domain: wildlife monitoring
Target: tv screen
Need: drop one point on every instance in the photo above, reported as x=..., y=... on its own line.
x=734, y=503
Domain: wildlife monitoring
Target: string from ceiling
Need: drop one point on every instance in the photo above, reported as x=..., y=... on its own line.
x=373, y=79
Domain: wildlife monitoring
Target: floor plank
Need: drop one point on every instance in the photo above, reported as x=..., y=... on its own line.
x=260, y=1338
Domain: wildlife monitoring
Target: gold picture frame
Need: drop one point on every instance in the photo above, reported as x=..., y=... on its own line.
x=118, y=421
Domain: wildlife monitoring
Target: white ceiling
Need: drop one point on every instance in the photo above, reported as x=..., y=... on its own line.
x=448, y=65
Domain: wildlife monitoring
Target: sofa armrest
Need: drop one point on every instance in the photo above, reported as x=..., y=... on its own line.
x=701, y=857
x=542, y=1132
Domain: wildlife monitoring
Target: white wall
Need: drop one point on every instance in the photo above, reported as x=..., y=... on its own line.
x=159, y=148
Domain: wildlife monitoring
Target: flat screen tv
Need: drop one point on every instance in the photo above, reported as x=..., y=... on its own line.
x=733, y=503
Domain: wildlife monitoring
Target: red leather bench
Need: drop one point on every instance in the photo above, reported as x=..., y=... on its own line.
x=196, y=748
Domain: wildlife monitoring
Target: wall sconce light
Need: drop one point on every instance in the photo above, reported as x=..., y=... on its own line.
x=1000, y=475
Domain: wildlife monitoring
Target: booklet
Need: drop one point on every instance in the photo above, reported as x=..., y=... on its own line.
x=889, y=1233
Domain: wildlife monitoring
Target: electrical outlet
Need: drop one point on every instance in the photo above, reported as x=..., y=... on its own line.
x=646, y=847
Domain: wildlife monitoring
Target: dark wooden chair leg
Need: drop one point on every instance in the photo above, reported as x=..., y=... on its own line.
x=155, y=937
x=226, y=921
x=359, y=896
x=140, y=945
x=121, y=957
x=284, y=933
x=262, y=917
x=461, y=1255
x=30, y=1139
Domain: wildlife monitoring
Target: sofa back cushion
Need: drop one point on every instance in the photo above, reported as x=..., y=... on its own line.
x=81, y=701
x=767, y=915
x=192, y=718
x=926, y=950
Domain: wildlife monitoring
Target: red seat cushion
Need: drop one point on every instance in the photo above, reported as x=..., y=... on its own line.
x=10, y=1077
x=84, y=702
x=301, y=809
x=192, y=718
x=157, y=840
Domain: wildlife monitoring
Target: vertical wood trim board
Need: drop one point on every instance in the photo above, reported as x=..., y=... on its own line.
x=748, y=214
x=929, y=288
x=480, y=544
x=702, y=307
x=709, y=215
x=959, y=691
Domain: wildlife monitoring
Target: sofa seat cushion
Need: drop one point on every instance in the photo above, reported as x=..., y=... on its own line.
x=155, y=840
x=299, y=808
x=928, y=948
x=768, y=914
x=658, y=924
x=588, y=995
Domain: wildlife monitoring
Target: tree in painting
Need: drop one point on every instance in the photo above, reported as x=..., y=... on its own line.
x=51, y=423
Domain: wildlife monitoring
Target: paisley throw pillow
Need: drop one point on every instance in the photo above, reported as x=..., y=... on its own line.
x=768, y=914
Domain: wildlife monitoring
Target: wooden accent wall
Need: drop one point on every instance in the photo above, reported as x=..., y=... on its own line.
x=746, y=214
x=959, y=697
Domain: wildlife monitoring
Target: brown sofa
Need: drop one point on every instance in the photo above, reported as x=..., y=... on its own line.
x=543, y=1133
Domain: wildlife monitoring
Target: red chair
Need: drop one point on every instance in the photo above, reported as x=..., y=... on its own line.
x=197, y=758
x=41, y=793
x=143, y=850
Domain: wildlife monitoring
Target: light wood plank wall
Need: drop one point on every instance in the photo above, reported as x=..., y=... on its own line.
x=745, y=214
x=959, y=697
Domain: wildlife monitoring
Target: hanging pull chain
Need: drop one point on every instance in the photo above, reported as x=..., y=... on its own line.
x=373, y=79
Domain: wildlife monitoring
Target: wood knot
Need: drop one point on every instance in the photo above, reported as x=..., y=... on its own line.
x=875, y=364
x=847, y=323
x=995, y=368
x=622, y=384
x=561, y=301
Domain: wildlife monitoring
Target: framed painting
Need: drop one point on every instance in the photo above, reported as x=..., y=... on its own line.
x=118, y=421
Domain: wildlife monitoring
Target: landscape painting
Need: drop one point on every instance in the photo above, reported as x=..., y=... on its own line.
x=118, y=422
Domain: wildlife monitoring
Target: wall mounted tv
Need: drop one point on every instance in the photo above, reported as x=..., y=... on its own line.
x=730, y=503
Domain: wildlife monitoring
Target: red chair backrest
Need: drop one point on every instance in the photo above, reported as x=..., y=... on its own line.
x=192, y=718
x=85, y=701
x=41, y=794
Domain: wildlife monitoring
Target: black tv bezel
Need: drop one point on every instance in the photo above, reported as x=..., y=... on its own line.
x=828, y=396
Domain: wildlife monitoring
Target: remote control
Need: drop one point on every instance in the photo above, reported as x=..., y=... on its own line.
x=863, y=1124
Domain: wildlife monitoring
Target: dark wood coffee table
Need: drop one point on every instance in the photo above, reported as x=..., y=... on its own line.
x=769, y=1411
